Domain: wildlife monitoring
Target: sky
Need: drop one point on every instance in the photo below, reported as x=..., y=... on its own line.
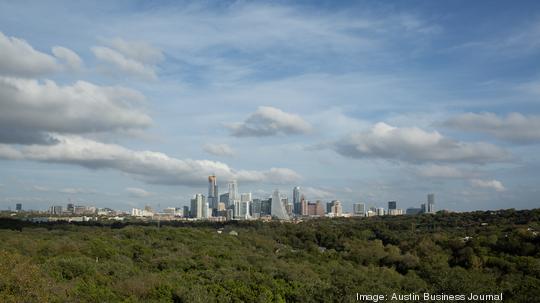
x=123, y=104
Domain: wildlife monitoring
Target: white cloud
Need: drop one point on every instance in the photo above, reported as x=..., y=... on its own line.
x=31, y=109
x=148, y=166
x=488, y=184
x=128, y=59
x=415, y=145
x=515, y=127
x=69, y=57
x=312, y=193
x=137, y=50
x=119, y=61
x=270, y=121
x=19, y=58
x=222, y=150
x=138, y=192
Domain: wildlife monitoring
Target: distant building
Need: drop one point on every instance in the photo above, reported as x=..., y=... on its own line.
x=224, y=198
x=395, y=212
x=278, y=209
x=392, y=205
x=335, y=209
x=431, y=203
x=303, y=206
x=197, y=206
x=213, y=194
x=136, y=212
x=55, y=210
x=186, y=212
x=256, y=208
x=70, y=208
x=297, y=206
x=380, y=211
x=423, y=208
x=316, y=209
x=18, y=206
x=266, y=207
x=413, y=211
x=359, y=209
x=233, y=194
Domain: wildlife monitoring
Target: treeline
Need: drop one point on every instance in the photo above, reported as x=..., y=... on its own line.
x=323, y=260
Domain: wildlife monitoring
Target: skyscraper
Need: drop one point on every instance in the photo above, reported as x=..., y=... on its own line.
x=392, y=205
x=245, y=201
x=213, y=192
x=359, y=209
x=278, y=209
x=233, y=193
x=303, y=206
x=297, y=206
x=18, y=206
x=335, y=208
x=197, y=204
x=431, y=203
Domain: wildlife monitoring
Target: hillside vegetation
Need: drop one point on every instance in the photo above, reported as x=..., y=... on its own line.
x=323, y=260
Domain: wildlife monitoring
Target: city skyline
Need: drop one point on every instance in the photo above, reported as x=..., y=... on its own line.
x=356, y=101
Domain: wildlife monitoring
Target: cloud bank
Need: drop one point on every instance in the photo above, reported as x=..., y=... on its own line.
x=414, y=145
x=148, y=166
x=270, y=121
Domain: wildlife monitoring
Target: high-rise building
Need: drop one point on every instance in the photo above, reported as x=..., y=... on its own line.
x=224, y=198
x=186, y=211
x=70, y=207
x=304, y=211
x=256, y=208
x=380, y=211
x=55, y=210
x=18, y=206
x=359, y=209
x=278, y=208
x=316, y=208
x=423, y=208
x=245, y=201
x=336, y=209
x=233, y=193
x=392, y=205
x=197, y=204
x=297, y=206
x=213, y=192
x=431, y=203
x=266, y=207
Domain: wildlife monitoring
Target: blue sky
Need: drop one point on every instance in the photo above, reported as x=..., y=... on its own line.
x=131, y=103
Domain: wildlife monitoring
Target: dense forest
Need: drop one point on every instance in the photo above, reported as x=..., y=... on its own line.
x=320, y=260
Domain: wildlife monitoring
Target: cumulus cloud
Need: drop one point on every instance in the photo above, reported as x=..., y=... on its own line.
x=19, y=58
x=148, y=166
x=31, y=109
x=515, y=127
x=138, y=192
x=270, y=121
x=415, y=145
x=69, y=57
x=222, y=150
x=488, y=184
